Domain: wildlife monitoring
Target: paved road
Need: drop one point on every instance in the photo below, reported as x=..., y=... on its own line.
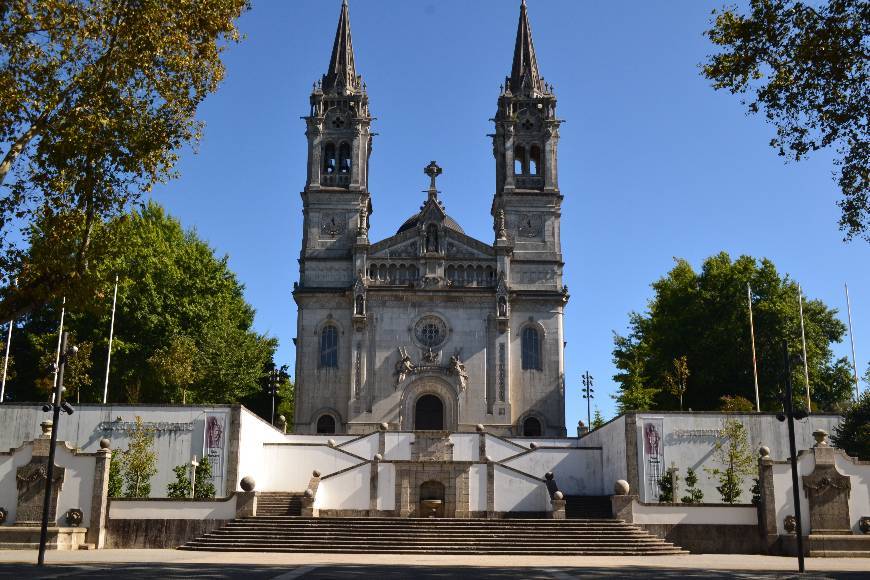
x=170, y=564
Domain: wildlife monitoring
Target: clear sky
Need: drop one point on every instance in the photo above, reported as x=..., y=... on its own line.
x=653, y=163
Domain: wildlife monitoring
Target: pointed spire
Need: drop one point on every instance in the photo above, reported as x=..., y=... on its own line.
x=525, y=77
x=341, y=76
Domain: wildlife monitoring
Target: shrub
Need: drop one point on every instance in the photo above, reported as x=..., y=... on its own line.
x=693, y=494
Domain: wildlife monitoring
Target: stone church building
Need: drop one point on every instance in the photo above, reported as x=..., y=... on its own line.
x=431, y=329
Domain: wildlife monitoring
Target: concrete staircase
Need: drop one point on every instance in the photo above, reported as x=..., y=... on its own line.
x=433, y=536
x=588, y=507
x=279, y=504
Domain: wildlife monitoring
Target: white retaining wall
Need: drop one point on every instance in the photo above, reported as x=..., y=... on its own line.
x=577, y=471
x=179, y=432
x=723, y=515
x=173, y=509
x=518, y=493
x=611, y=439
x=345, y=491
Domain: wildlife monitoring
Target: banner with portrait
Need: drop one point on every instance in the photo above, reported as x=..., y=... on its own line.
x=652, y=446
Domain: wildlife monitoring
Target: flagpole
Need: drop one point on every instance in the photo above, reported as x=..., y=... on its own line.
x=59, y=337
x=852, y=338
x=111, y=336
x=804, y=341
x=754, y=361
x=6, y=364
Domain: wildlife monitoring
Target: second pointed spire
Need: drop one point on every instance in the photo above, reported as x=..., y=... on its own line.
x=525, y=77
x=341, y=76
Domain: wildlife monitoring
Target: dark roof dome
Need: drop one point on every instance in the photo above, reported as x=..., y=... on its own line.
x=414, y=221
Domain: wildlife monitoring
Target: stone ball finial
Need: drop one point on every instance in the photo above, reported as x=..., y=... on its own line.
x=384, y=426
x=105, y=443
x=764, y=451
x=248, y=483
x=331, y=442
x=46, y=427
x=864, y=525
x=789, y=524
x=820, y=435
x=533, y=445
x=480, y=428
x=309, y=493
x=621, y=487
x=549, y=475
x=282, y=419
x=558, y=495
x=315, y=473
x=379, y=457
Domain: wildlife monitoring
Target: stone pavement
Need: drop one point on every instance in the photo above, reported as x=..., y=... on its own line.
x=135, y=564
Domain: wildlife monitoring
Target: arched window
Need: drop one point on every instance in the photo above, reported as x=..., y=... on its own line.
x=531, y=349
x=532, y=427
x=329, y=159
x=344, y=158
x=519, y=160
x=326, y=425
x=329, y=347
x=535, y=160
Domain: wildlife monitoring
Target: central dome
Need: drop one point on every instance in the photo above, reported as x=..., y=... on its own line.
x=414, y=221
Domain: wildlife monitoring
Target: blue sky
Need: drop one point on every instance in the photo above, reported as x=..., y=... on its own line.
x=653, y=163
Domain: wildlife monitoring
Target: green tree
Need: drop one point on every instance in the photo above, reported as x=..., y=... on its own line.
x=693, y=494
x=633, y=392
x=116, y=474
x=678, y=379
x=287, y=395
x=804, y=67
x=180, y=488
x=732, y=452
x=97, y=98
x=139, y=461
x=183, y=329
x=597, y=419
x=729, y=404
x=175, y=366
x=668, y=485
x=704, y=316
x=853, y=434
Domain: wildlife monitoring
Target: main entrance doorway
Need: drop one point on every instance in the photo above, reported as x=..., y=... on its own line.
x=429, y=414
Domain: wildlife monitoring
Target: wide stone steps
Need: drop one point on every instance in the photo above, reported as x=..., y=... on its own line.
x=432, y=536
x=279, y=504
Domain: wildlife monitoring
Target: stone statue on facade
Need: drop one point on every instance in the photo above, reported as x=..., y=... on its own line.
x=404, y=367
x=458, y=368
x=500, y=225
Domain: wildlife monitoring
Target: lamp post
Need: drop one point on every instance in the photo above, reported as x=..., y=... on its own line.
x=55, y=406
x=274, y=379
x=587, y=394
x=790, y=414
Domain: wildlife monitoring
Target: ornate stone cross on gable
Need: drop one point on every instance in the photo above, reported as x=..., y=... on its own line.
x=433, y=171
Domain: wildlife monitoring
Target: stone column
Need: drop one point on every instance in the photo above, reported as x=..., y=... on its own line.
x=631, y=458
x=767, y=509
x=96, y=534
x=490, y=488
x=246, y=504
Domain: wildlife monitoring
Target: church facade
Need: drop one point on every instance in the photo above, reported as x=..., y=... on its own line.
x=431, y=329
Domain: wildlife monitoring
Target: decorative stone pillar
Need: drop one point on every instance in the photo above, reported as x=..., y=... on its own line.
x=490, y=488
x=767, y=509
x=559, y=503
x=246, y=500
x=827, y=491
x=308, y=510
x=621, y=502
x=100, y=496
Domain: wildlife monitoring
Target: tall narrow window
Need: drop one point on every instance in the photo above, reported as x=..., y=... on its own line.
x=531, y=349
x=329, y=347
x=519, y=159
x=344, y=158
x=535, y=160
x=329, y=159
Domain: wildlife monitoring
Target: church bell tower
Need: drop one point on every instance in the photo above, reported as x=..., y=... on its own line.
x=336, y=200
x=526, y=145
